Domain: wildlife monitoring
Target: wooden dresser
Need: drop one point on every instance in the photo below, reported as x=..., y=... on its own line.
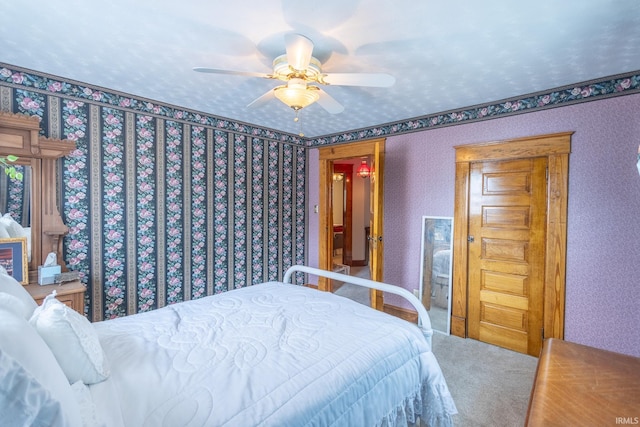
x=70, y=293
x=576, y=385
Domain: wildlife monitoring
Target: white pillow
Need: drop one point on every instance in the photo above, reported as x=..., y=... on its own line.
x=11, y=286
x=22, y=344
x=13, y=228
x=23, y=400
x=4, y=233
x=73, y=341
x=14, y=305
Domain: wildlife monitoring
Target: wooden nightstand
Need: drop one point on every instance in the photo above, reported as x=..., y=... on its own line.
x=70, y=294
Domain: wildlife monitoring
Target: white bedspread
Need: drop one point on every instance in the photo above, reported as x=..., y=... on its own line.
x=269, y=355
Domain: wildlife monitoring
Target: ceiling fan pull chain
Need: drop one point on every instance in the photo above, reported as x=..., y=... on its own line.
x=297, y=119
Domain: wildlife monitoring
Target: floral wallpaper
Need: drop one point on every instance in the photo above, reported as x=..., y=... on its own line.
x=165, y=205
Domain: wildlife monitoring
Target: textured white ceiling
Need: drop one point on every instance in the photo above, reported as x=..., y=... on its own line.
x=444, y=55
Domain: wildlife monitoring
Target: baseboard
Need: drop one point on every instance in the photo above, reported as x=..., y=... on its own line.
x=459, y=326
x=358, y=263
x=403, y=313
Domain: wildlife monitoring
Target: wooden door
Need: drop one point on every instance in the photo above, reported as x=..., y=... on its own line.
x=506, y=264
x=555, y=148
x=376, y=239
x=327, y=156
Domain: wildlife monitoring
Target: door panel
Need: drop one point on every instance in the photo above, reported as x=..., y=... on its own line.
x=375, y=223
x=507, y=219
x=327, y=155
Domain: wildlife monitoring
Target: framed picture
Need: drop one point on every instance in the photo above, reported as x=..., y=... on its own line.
x=13, y=257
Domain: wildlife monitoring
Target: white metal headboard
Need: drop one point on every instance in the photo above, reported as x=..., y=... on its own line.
x=424, y=322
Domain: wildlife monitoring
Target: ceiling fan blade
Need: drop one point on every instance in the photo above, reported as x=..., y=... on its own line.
x=299, y=50
x=236, y=73
x=260, y=101
x=327, y=102
x=359, y=79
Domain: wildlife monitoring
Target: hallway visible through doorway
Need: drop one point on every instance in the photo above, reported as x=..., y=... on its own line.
x=353, y=292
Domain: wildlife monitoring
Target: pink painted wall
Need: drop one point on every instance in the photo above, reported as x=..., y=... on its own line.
x=603, y=248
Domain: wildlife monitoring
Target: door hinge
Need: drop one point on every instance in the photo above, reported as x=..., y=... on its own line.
x=546, y=173
x=542, y=333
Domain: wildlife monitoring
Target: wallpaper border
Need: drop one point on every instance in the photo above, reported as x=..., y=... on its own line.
x=587, y=91
x=591, y=90
x=24, y=78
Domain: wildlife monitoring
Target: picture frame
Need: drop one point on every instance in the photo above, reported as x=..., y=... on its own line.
x=13, y=257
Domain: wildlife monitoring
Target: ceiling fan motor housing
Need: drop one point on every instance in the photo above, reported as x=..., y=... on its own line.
x=282, y=70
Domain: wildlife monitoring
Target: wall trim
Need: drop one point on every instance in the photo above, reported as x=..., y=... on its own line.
x=26, y=79
x=401, y=312
x=576, y=93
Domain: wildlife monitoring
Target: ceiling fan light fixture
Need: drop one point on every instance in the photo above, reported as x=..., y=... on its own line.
x=297, y=95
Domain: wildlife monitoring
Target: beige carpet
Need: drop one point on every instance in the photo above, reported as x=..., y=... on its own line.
x=490, y=385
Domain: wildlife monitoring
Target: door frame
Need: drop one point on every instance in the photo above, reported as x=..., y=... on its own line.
x=556, y=147
x=327, y=156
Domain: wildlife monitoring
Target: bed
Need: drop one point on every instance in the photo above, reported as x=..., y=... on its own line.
x=272, y=354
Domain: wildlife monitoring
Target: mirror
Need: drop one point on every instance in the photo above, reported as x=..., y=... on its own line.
x=342, y=214
x=15, y=200
x=435, y=270
x=338, y=217
x=15, y=196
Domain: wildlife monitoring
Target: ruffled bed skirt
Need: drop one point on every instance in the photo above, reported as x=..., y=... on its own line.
x=431, y=406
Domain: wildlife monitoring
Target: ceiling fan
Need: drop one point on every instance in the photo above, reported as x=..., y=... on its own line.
x=302, y=74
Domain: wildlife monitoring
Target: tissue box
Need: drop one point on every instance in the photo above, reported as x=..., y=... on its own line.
x=47, y=275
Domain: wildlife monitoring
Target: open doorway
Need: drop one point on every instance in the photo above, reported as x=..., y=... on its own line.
x=329, y=156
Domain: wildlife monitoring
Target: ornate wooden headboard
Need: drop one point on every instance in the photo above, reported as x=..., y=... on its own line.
x=19, y=135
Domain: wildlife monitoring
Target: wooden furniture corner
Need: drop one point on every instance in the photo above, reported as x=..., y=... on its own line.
x=71, y=294
x=577, y=385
